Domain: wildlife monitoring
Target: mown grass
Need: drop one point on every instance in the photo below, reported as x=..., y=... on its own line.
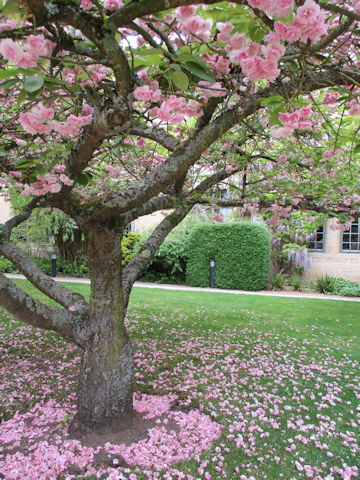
x=232, y=355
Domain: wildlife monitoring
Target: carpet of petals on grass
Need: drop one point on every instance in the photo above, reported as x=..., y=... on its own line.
x=252, y=403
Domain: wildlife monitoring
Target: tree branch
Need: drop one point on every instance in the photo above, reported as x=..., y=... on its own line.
x=159, y=136
x=44, y=283
x=130, y=11
x=153, y=205
x=190, y=151
x=35, y=313
x=148, y=38
x=142, y=259
x=334, y=34
x=340, y=11
x=174, y=167
x=18, y=219
x=208, y=110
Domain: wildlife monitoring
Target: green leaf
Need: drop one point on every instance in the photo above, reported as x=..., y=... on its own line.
x=20, y=164
x=274, y=116
x=150, y=51
x=356, y=149
x=256, y=34
x=33, y=84
x=83, y=179
x=275, y=100
x=241, y=25
x=11, y=7
x=21, y=97
x=9, y=83
x=10, y=72
x=180, y=80
x=199, y=72
x=148, y=60
x=54, y=81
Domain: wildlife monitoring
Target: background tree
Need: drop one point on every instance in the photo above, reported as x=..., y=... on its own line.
x=112, y=110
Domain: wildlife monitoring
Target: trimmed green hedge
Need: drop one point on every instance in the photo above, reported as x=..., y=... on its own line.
x=241, y=251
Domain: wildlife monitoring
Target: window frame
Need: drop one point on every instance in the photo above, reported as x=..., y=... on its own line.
x=323, y=232
x=350, y=242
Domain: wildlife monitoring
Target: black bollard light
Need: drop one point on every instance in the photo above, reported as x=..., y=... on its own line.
x=212, y=273
x=53, y=264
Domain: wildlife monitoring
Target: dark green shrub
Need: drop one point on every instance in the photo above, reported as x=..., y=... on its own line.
x=346, y=288
x=297, y=282
x=277, y=281
x=6, y=266
x=241, y=251
x=169, y=262
x=128, y=245
x=325, y=284
x=349, y=291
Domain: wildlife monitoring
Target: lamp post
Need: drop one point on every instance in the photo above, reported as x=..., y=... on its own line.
x=53, y=264
x=212, y=273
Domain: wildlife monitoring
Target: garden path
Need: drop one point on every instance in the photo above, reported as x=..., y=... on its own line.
x=270, y=293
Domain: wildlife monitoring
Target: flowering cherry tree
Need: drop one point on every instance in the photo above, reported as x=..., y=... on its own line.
x=116, y=109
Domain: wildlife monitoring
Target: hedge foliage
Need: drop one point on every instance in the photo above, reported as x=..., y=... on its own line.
x=169, y=262
x=241, y=251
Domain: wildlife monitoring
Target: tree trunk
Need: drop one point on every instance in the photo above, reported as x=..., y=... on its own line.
x=105, y=380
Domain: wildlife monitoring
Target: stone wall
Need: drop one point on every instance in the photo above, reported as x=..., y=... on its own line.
x=5, y=210
x=149, y=221
x=332, y=261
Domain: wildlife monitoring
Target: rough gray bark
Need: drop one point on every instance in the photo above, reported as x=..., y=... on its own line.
x=105, y=379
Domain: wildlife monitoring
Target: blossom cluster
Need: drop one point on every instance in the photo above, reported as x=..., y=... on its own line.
x=39, y=119
x=35, y=47
x=297, y=119
x=48, y=183
x=276, y=8
x=108, y=4
x=309, y=24
x=193, y=25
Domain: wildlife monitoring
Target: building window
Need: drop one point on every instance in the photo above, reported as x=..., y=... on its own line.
x=317, y=240
x=350, y=239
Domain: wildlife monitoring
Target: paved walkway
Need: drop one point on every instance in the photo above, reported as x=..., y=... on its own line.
x=265, y=293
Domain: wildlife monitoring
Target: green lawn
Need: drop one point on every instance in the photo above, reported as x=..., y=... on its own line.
x=281, y=375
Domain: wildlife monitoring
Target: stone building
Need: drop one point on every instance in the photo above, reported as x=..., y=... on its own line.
x=336, y=253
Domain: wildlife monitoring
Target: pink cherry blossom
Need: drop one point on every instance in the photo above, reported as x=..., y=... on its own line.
x=66, y=181
x=86, y=4
x=36, y=46
x=175, y=110
x=191, y=24
x=210, y=89
x=224, y=29
x=113, y=4
x=7, y=23
x=309, y=24
x=277, y=8
x=356, y=5
x=11, y=51
x=33, y=121
x=72, y=125
x=148, y=94
x=354, y=107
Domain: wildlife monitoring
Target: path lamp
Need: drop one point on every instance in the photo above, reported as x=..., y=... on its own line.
x=53, y=264
x=212, y=273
